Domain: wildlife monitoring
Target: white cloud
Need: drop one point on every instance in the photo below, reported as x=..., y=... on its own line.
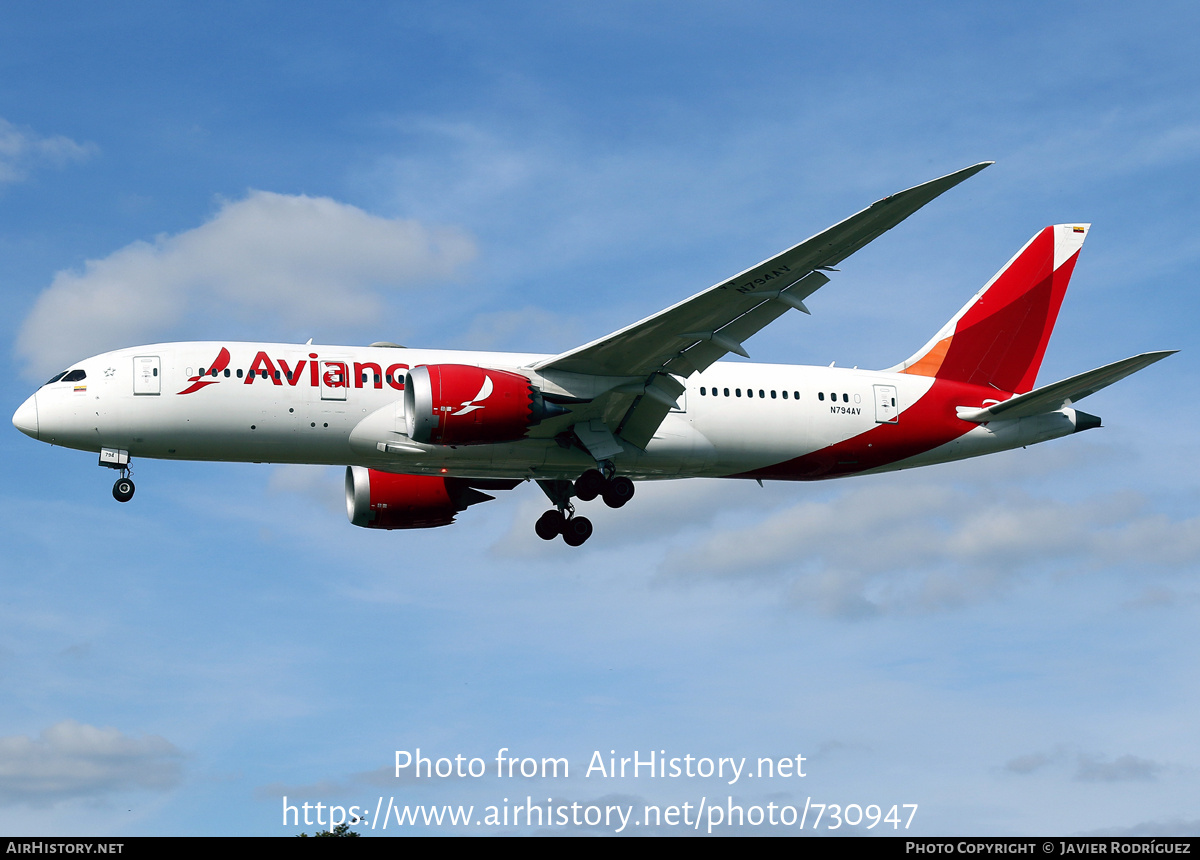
x=1089, y=767
x=1121, y=769
x=1159, y=828
x=71, y=760
x=22, y=149
x=529, y=328
x=324, y=485
x=910, y=546
x=277, y=259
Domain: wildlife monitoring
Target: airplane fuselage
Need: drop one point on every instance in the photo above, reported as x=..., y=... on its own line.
x=288, y=403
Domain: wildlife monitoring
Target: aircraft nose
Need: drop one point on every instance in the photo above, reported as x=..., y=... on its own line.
x=25, y=418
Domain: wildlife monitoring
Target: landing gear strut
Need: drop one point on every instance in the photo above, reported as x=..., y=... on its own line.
x=118, y=459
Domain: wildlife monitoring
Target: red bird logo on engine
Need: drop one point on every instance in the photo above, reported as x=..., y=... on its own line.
x=485, y=391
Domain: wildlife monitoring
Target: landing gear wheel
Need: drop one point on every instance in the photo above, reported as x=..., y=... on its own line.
x=576, y=530
x=550, y=525
x=618, y=492
x=590, y=484
x=123, y=490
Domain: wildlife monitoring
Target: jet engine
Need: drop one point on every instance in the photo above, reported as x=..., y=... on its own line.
x=382, y=500
x=458, y=404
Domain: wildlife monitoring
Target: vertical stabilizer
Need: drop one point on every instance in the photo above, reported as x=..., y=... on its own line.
x=1000, y=336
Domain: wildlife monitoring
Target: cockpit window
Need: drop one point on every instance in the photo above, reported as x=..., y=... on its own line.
x=76, y=375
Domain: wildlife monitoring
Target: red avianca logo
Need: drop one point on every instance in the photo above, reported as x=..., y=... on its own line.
x=220, y=363
x=326, y=373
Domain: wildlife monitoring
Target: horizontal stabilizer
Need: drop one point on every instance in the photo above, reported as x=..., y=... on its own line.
x=1056, y=395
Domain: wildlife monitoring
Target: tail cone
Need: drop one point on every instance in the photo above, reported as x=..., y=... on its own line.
x=1085, y=421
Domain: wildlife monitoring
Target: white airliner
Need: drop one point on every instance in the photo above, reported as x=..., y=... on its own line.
x=424, y=432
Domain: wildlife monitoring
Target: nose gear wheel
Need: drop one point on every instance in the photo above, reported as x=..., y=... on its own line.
x=123, y=489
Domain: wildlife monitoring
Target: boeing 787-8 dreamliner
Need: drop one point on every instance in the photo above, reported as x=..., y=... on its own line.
x=424, y=433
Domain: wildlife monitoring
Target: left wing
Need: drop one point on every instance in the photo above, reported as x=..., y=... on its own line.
x=690, y=336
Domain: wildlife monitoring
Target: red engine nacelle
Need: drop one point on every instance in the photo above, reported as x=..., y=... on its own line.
x=458, y=404
x=381, y=500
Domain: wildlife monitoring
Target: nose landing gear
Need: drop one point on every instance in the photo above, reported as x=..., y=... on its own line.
x=123, y=489
x=117, y=459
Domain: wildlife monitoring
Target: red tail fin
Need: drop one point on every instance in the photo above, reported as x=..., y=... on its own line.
x=1000, y=337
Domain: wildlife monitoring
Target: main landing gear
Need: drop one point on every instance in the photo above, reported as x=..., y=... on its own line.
x=574, y=530
x=615, y=491
x=561, y=520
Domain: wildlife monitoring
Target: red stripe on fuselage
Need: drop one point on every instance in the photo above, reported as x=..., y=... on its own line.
x=928, y=423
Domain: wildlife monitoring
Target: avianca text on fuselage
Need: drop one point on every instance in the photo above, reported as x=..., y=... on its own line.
x=332, y=373
x=424, y=434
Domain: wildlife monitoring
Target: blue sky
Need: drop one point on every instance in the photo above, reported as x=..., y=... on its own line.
x=1009, y=643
